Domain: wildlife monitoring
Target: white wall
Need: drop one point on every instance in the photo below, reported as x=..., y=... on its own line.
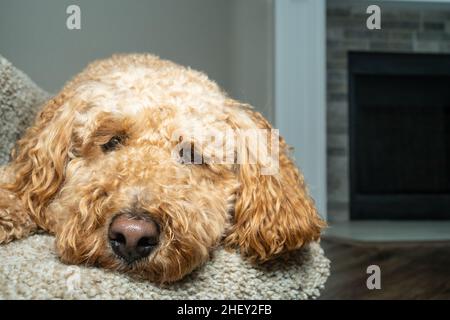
x=300, y=90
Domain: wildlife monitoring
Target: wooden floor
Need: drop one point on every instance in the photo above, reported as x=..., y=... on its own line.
x=408, y=271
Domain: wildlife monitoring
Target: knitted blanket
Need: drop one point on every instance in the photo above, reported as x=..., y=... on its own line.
x=29, y=269
x=19, y=100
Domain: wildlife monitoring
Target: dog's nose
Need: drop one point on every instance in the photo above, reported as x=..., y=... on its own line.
x=133, y=237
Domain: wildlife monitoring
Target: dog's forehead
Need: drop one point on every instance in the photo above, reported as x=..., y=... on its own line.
x=129, y=91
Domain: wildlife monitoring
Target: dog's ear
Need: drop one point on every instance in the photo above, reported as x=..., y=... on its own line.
x=273, y=212
x=39, y=158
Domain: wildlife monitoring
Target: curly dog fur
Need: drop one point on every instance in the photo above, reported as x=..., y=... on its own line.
x=62, y=181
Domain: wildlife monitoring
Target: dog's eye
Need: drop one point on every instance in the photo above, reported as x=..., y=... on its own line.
x=112, y=144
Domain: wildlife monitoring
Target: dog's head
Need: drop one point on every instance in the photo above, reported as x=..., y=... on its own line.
x=121, y=168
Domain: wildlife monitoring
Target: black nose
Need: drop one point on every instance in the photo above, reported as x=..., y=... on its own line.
x=133, y=236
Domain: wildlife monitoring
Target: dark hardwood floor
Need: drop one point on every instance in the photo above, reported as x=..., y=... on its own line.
x=408, y=271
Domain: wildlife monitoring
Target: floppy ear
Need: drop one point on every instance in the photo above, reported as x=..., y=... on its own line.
x=273, y=212
x=39, y=159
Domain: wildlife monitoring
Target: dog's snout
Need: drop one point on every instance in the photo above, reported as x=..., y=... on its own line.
x=133, y=236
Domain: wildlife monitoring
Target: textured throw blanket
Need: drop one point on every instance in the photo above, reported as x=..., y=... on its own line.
x=19, y=101
x=29, y=268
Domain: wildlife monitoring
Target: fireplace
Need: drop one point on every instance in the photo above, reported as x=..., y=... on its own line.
x=399, y=135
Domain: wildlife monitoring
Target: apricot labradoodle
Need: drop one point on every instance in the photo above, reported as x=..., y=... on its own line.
x=98, y=170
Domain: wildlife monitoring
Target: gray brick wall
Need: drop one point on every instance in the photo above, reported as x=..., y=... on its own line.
x=404, y=28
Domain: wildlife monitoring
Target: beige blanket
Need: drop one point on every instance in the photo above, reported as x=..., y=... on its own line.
x=29, y=269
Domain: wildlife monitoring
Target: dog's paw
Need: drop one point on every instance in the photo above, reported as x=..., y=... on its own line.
x=15, y=223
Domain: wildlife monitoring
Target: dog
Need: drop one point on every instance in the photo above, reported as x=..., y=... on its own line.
x=98, y=170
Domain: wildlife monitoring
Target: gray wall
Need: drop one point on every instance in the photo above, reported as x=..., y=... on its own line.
x=252, y=51
x=228, y=39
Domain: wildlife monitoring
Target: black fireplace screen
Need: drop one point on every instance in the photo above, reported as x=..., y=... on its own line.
x=399, y=136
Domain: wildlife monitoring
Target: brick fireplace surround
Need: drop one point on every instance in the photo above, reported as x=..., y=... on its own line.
x=405, y=28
